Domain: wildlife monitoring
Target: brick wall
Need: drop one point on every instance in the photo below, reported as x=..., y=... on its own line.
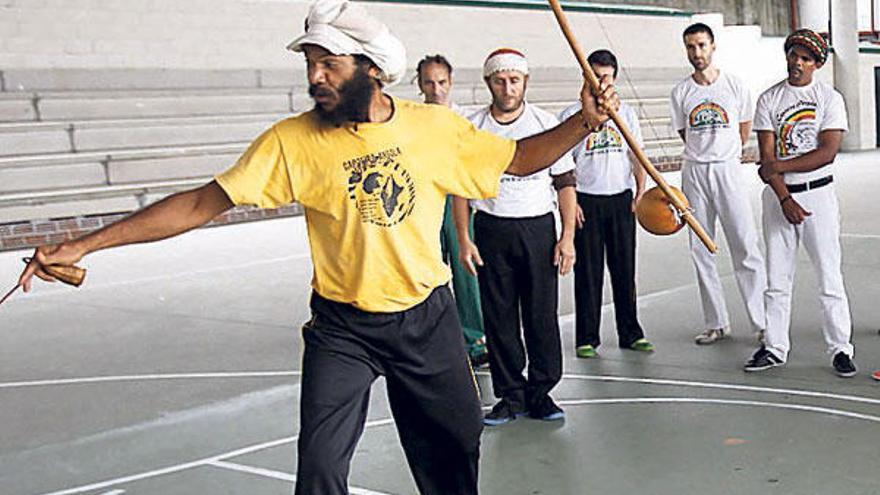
x=24, y=235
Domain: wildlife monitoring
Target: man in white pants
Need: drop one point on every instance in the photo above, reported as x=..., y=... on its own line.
x=800, y=124
x=711, y=110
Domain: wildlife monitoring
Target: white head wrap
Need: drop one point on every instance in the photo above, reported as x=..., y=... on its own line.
x=505, y=59
x=344, y=28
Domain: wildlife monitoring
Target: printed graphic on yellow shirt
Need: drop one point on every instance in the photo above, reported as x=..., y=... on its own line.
x=708, y=115
x=797, y=132
x=382, y=190
x=605, y=141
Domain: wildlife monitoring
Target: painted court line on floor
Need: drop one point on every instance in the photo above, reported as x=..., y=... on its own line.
x=209, y=461
x=194, y=464
x=726, y=402
x=571, y=376
x=278, y=475
x=266, y=473
x=132, y=378
x=861, y=236
x=725, y=386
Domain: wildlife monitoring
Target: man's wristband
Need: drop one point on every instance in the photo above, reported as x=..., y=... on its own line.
x=783, y=200
x=590, y=129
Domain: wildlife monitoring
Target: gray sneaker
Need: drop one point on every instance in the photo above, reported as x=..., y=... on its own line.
x=711, y=336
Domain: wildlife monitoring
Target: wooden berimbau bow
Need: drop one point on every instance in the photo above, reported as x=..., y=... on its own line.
x=630, y=140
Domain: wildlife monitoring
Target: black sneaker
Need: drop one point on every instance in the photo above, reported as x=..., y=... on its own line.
x=502, y=413
x=546, y=410
x=843, y=365
x=480, y=361
x=762, y=360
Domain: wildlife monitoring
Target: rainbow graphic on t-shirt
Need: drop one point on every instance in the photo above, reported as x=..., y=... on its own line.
x=797, y=132
x=708, y=115
x=606, y=139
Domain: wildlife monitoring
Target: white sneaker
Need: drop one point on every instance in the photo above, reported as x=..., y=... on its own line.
x=711, y=336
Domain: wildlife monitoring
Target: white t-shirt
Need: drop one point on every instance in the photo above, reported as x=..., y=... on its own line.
x=532, y=195
x=602, y=159
x=797, y=115
x=710, y=116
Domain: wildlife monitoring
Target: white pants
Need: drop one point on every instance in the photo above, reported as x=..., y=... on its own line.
x=820, y=234
x=716, y=192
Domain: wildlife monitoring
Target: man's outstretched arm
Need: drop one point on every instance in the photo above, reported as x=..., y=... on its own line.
x=171, y=216
x=538, y=152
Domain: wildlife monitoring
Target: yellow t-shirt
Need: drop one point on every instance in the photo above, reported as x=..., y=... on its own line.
x=373, y=195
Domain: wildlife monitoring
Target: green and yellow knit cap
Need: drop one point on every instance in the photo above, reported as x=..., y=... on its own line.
x=811, y=40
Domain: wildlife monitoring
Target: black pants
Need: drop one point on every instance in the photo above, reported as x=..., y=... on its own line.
x=431, y=390
x=610, y=229
x=518, y=276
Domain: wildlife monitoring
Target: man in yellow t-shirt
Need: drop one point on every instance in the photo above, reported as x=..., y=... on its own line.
x=372, y=174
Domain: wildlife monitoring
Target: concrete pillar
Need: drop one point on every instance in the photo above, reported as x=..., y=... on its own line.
x=813, y=14
x=845, y=40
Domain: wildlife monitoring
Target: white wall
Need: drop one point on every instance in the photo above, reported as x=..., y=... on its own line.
x=155, y=33
x=741, y=50
x=249, y=34
x=867, y=126
x=227, y=34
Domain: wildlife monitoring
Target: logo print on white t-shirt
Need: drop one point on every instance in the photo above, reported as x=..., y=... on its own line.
x=797, y=132
x=708, y=115
x=607, y=140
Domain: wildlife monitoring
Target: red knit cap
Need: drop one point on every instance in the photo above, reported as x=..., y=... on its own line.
x=505, y=59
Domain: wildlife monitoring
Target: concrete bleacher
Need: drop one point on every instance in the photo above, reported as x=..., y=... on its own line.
x=86, y=142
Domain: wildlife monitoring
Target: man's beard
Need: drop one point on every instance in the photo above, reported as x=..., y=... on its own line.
x=515, y=104
x=354, y=100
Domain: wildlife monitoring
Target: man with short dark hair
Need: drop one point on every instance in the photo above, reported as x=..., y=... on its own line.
x=800, y=124
x=372, y=173
x=518, y=252
x=712, y=112
x=610, y=183
x=434, y=77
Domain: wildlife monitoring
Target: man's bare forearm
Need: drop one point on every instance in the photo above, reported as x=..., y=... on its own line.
x=538, y=152
x=807, y=162
x=638, y=172
x=777, y=183
x=767, y=154
x=461, y=214
x=568, y=211
x=171, y=216
x=829, y=146
x=745, y=130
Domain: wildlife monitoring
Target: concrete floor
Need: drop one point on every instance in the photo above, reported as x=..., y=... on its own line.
x=173, y=370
